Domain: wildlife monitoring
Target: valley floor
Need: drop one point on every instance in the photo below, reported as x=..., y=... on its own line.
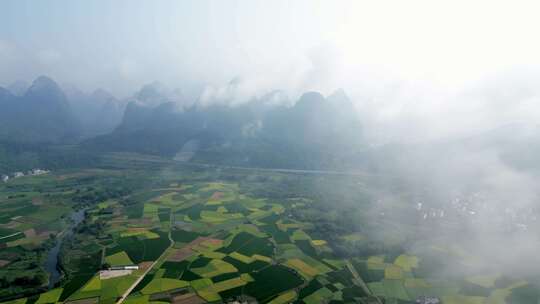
x=210, y=234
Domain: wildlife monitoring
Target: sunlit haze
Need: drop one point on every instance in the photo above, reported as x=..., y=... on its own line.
x=273, y=152
x=389, y=55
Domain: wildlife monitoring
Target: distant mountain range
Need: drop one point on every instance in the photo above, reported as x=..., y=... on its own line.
x=97, y=113
x=43, y=112
x=269, y=131
x=315, y=132
x=40, y=114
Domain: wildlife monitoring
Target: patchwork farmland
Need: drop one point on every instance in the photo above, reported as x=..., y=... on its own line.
x=201, y=235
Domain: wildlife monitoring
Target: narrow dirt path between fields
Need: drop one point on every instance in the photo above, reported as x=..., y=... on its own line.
x=358, y=279
x=128, y=291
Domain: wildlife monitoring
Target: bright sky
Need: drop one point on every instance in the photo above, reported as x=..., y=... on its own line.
x=371, y=48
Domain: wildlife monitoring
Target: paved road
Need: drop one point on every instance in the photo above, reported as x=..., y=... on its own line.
x=14, y=234
x=152, y=159
x=278, y=170
x=358, y=279
x=128, y=291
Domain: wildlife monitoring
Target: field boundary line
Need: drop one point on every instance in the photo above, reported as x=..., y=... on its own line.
x=166, y=251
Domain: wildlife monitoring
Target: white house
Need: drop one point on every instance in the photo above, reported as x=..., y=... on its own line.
x=5, y=178
x=428, y=300
x=125, y=267
x=37, y=172
x=131, y=267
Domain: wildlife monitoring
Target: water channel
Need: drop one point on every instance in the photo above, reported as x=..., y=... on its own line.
x=52, y=266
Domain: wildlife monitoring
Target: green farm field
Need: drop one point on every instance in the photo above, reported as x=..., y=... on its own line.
x=215, y=235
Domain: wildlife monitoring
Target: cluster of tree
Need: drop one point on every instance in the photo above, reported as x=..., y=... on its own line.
x=95, y=228
x=25, y=281
x=23, y=276
x=91, y=196
x=128, y=201
x=17, y=156
x=21, y=286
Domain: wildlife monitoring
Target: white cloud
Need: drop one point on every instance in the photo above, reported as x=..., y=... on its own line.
x=49, y=57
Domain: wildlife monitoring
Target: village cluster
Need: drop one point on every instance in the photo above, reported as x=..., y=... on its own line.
x=6, y=177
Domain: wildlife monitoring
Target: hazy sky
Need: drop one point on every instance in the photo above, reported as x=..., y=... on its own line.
x=415, y=70
x=399, y=59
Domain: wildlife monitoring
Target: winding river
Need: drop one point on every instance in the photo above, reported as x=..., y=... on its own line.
x=53, y=257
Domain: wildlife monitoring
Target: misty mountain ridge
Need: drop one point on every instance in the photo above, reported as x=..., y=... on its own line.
x=98, y=112
x=265, y=131
x=155, y=93
x=44, y=112
x=41, y=114
x=313, y=132
x=18, y=87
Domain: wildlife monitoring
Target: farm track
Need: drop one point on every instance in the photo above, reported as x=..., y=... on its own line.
x=359, y=280
x=7, y=236
x=128, y=291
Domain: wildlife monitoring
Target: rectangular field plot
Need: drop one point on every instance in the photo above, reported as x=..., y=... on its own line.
x=393, y=289
x=141, y=250
x=246, y=268
x=406, y=262
x=214, y=268
x=183, y=236
x=247, y=244
x=272, y=281
x=174, y=270
x=306, y=270
x=284, y=298
x=50, y=296
x=163, y=284
x=119, y=259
